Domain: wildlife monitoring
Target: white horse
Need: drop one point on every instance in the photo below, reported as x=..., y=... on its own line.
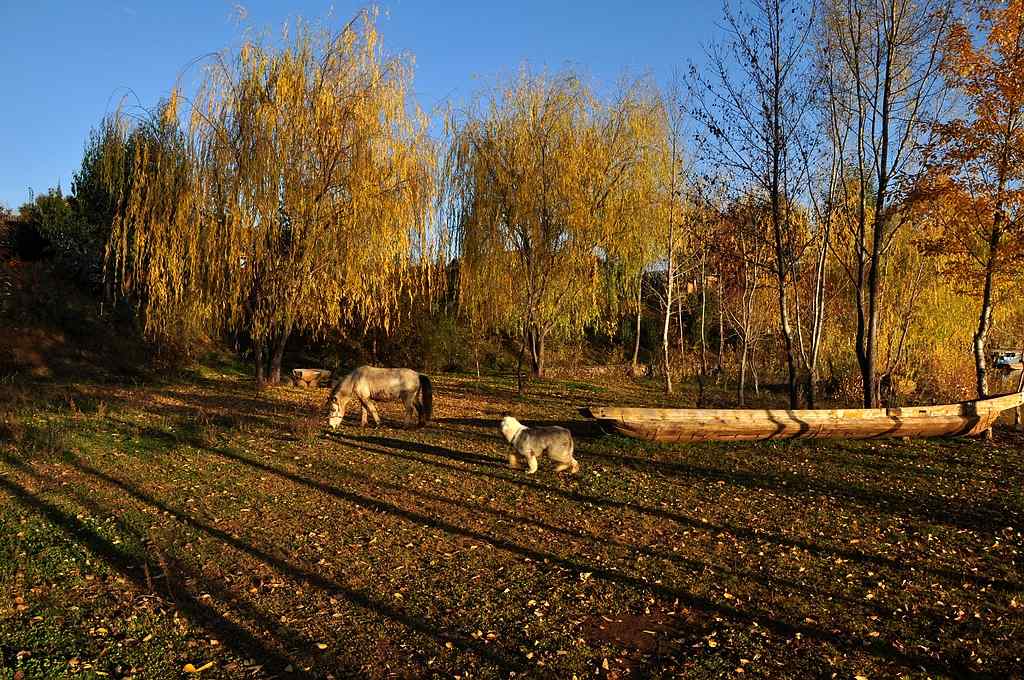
x=384, y=384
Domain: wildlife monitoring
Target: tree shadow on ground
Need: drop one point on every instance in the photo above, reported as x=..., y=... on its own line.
x=241, y=640
x=980, y=517
x=527, y=519
x=499, y=658
x=407, y=451
x=877, y=648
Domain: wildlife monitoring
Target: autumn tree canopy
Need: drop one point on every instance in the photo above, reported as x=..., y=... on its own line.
x=291, y=196
x=542, y=178
x=973, y=192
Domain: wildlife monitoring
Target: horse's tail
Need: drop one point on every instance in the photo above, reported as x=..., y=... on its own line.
x=425, y=400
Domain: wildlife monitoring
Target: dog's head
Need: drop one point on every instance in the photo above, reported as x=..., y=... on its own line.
x=510, y=427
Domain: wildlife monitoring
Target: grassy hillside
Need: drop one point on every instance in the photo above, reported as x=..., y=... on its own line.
x=147, y=528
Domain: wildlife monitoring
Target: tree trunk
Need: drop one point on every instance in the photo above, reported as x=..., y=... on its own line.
x=809, y=388
x=258, y=355
x=787, y=342
x=721, y=327
x=753, y=372
x=639, y=310
x=278, y=356
x=703, y=308
x=666, y=326
x=536, y=347
x=679, y=323
x=869, y=369
x=776, y=189
x=743, y=373
x=540, y=355
x=985, y=318
x=866, y=373
x=519, y=361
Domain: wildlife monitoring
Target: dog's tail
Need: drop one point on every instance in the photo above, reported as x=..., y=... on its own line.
x=425, y=400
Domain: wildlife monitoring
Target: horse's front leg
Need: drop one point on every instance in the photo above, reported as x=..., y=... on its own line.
x=343, y=406
x=373, y=412
x=368, y=407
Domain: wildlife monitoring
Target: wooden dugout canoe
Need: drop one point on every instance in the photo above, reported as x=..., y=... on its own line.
x=697, y=425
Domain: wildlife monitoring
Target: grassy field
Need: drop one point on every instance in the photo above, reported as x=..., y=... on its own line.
x=151, y=530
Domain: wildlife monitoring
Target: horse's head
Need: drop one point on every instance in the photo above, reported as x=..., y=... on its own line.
x=334, y=414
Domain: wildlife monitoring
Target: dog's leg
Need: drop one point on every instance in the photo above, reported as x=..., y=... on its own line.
x=561, y=467
x=575, y=466
x=531, y=461
x=513, y=461
x=362, y=416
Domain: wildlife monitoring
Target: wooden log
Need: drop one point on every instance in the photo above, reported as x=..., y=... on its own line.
x=691, y=425
x=310, y=377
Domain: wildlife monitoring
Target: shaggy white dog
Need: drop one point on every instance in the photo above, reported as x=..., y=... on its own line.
x=532, y=442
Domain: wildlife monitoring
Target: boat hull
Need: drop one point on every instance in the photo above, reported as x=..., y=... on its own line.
x=695, y=425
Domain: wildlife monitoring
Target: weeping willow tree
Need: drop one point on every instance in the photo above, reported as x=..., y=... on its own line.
x=300, y=182
x=541, y=179
x=646, y=204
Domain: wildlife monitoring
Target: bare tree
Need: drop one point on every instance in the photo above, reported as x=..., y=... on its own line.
x=752, y=109
x=673, y=173
x=745, y=255
x=823, y=172
x=883, y=70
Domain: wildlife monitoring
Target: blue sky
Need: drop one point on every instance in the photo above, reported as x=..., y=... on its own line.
x=63, y=65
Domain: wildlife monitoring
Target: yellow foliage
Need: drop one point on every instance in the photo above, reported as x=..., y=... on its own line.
x=544, y=180
x=293, y=197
